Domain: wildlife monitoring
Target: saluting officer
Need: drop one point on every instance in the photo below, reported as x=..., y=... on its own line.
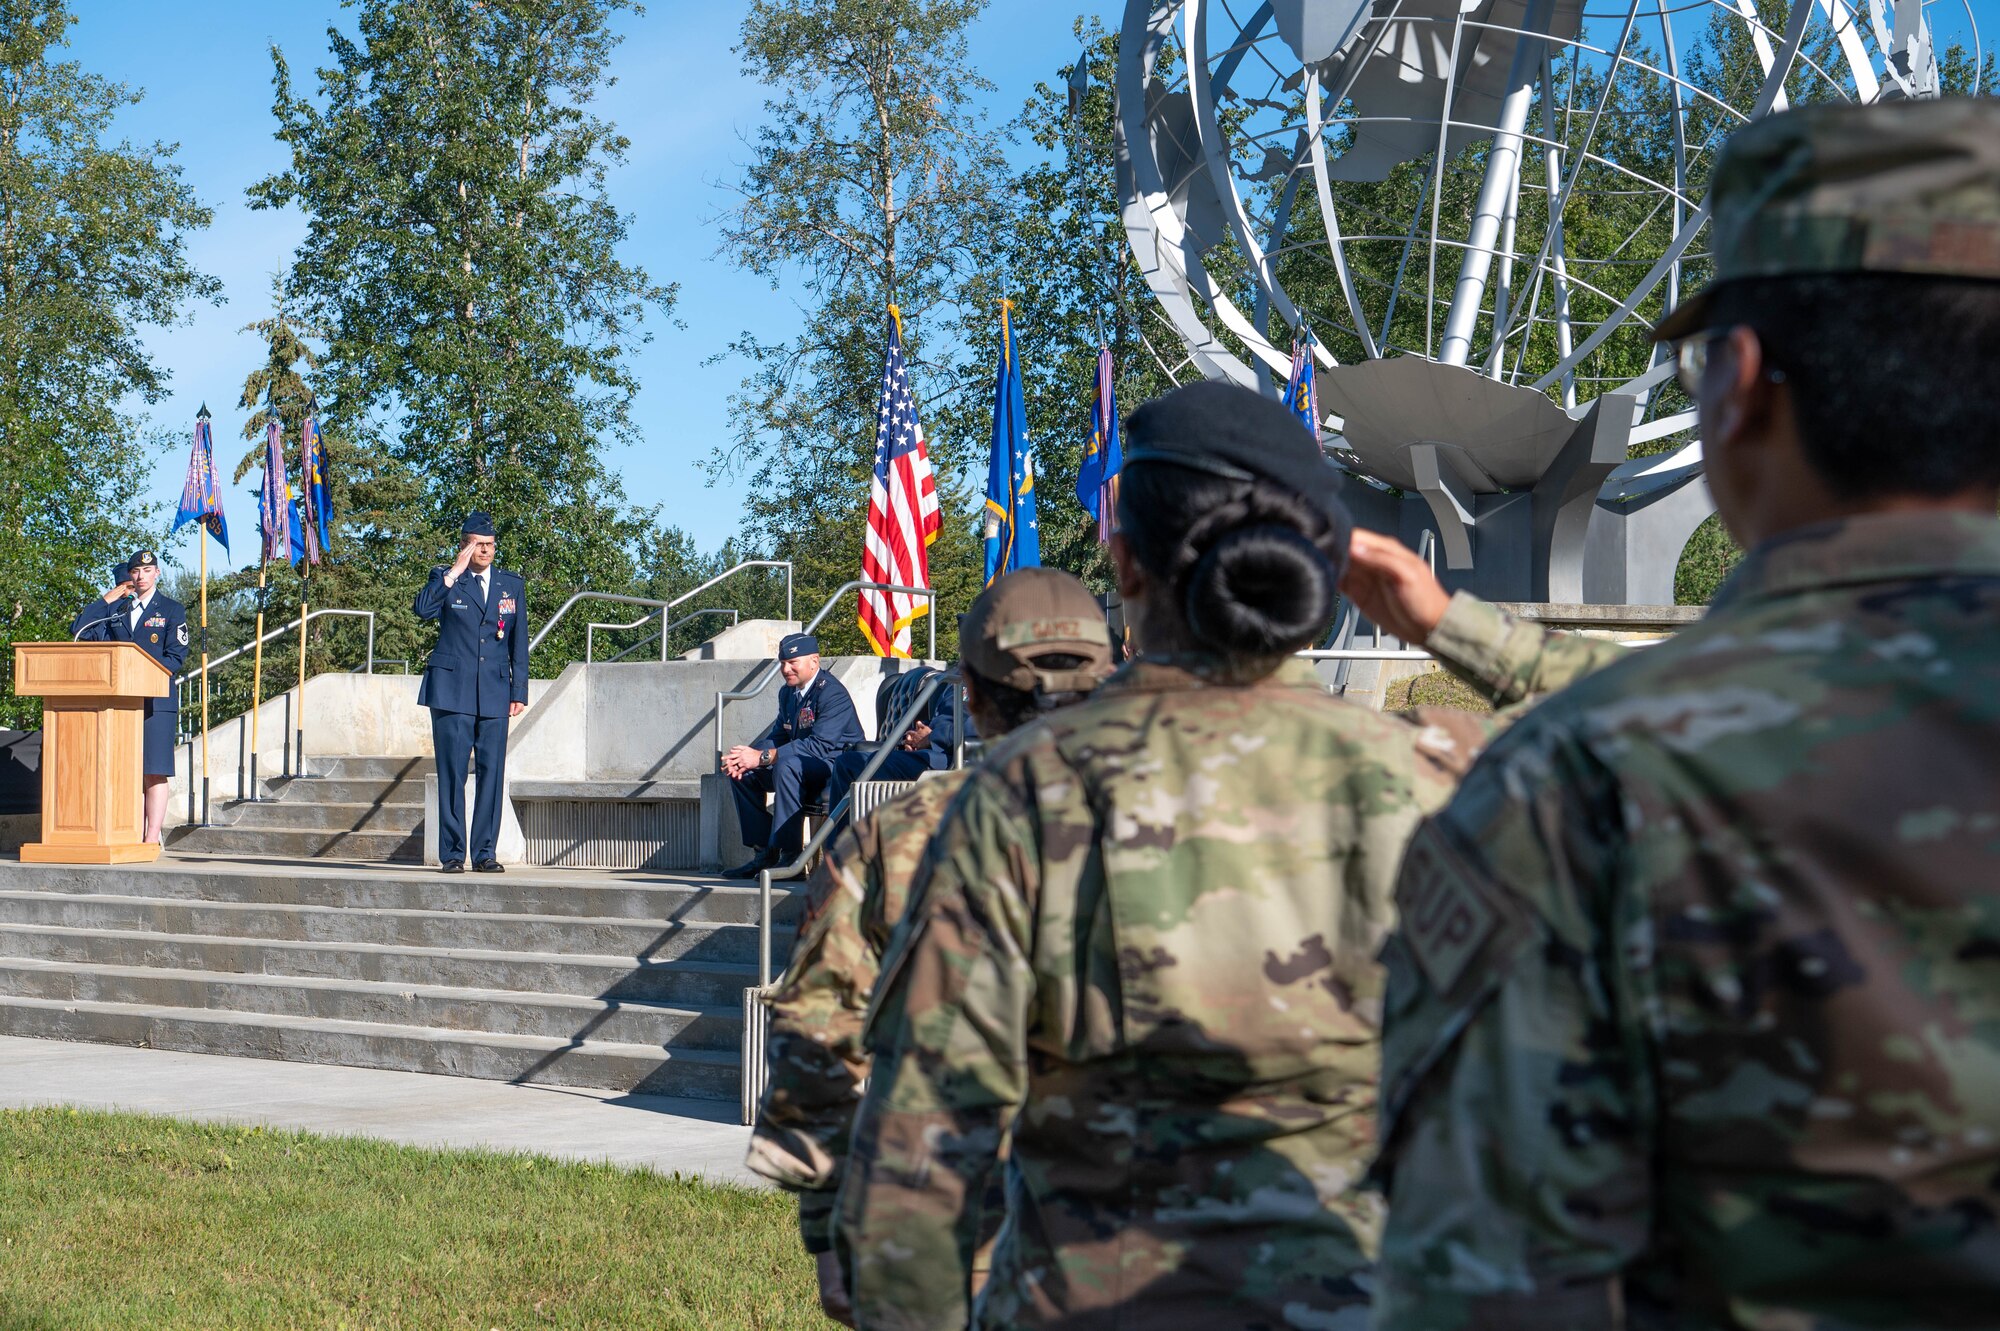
x=792, y=761
x=133, y=609
x=475, y=681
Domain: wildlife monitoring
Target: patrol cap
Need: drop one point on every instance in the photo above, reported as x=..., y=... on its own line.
x=141, y=559
x=1907, y=187
x=1232, y=432
x=477, y=524
x=1033, y=613
x=794, y=645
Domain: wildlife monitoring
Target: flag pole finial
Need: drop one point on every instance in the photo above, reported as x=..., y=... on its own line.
x=203, y=415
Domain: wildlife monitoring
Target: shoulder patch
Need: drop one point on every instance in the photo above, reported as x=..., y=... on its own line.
x=181, y=634
x=1447, y=912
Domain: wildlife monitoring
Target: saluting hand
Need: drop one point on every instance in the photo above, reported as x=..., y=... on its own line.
x=118, y=593
x=1393, y=586
x=464, y=560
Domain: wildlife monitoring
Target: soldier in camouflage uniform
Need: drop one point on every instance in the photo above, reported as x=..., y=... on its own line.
x=1147, y=931
x=1034, y=641
x=1694, y=1013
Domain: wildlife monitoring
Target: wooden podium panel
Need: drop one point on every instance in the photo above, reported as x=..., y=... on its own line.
x=93, y=747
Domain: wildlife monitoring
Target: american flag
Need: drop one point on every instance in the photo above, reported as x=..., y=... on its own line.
x=903, y=517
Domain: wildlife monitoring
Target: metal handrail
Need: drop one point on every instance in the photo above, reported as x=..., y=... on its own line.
x=735, y=618
x=227, y=657
x=564, y=609
x=784, y=564
x=891, y=737
x=771, y=667
x=754, y=1072
x=208, y=667
x=663, y=606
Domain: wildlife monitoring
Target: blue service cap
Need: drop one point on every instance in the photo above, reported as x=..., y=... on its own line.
x=477, y=524
x=794, y=645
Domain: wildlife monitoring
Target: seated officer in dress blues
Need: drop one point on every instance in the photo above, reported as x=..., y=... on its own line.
x=925, y=747
x=792, y=761
x=133, y=609
x=475, y=681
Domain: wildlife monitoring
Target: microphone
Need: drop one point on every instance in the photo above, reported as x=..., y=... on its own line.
x=101, y=619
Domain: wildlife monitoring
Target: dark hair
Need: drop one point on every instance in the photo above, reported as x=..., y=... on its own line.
x=1016, y=707
x=1891, y=376
x=1253, y=568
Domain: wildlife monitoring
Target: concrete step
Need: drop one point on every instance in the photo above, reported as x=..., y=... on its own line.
x=623, y=1022
x=550, y=1060
x=519, y=891
x=289, y=814
x=652, y=940
x=299, y=843
x=686, y=981
x=343, y=790
x=353, y=768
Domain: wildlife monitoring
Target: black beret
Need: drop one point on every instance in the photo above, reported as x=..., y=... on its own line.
x=1232, y=432
x=477, y=524
x=142, y=559
x=794, y=645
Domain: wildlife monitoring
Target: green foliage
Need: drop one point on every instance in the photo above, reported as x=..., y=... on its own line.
x=93, y=238
x=873, y=181
x=122, y=1220
x=1077, y=288
x=1708, y=559
x=462, y=259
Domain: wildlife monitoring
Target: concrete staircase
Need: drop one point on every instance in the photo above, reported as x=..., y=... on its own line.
x=348, y=809
x=625, y=981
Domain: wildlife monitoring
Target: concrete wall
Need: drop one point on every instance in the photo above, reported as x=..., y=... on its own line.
x=345, y=714
x=653, y=720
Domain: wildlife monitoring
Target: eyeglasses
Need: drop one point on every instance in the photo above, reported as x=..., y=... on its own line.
x=1691, y=360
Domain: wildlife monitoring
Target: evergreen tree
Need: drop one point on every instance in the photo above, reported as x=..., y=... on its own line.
x=93, y=236
x=1078, y=287
x=875, y=182
x=462, y=258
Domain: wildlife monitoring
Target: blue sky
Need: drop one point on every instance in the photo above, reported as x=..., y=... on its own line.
x=681, y=100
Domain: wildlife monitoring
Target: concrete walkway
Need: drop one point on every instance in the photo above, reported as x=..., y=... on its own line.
x=694, y=1137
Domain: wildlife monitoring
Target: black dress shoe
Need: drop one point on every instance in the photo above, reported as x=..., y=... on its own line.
x=490, y=866
x=751, y=867
x=452, y=866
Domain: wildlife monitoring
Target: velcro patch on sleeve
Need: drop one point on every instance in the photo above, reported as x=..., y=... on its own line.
x=1448, y=914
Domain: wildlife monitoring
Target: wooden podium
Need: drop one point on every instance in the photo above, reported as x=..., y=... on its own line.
x=93, y=715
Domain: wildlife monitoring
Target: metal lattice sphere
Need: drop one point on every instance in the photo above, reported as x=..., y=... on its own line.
x=1472, y=211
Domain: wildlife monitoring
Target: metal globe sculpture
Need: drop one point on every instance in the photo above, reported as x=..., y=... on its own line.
x=1468, y=213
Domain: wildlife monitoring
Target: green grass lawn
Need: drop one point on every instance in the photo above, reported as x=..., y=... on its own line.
x=131, y=1222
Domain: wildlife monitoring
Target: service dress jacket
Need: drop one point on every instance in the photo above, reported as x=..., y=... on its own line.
x=162, y=630
x=480, y=665
x=817, y=721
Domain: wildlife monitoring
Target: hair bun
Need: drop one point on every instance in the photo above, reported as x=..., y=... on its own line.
x=1262, y=590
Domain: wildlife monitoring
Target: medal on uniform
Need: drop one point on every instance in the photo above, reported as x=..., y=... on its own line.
x=156, y=637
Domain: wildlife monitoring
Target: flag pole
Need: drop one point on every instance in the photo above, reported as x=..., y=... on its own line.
x=257, y=674
x=201, y=540
x=305, y=585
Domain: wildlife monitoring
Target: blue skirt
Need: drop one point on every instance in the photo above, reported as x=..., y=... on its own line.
x=160, y=727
